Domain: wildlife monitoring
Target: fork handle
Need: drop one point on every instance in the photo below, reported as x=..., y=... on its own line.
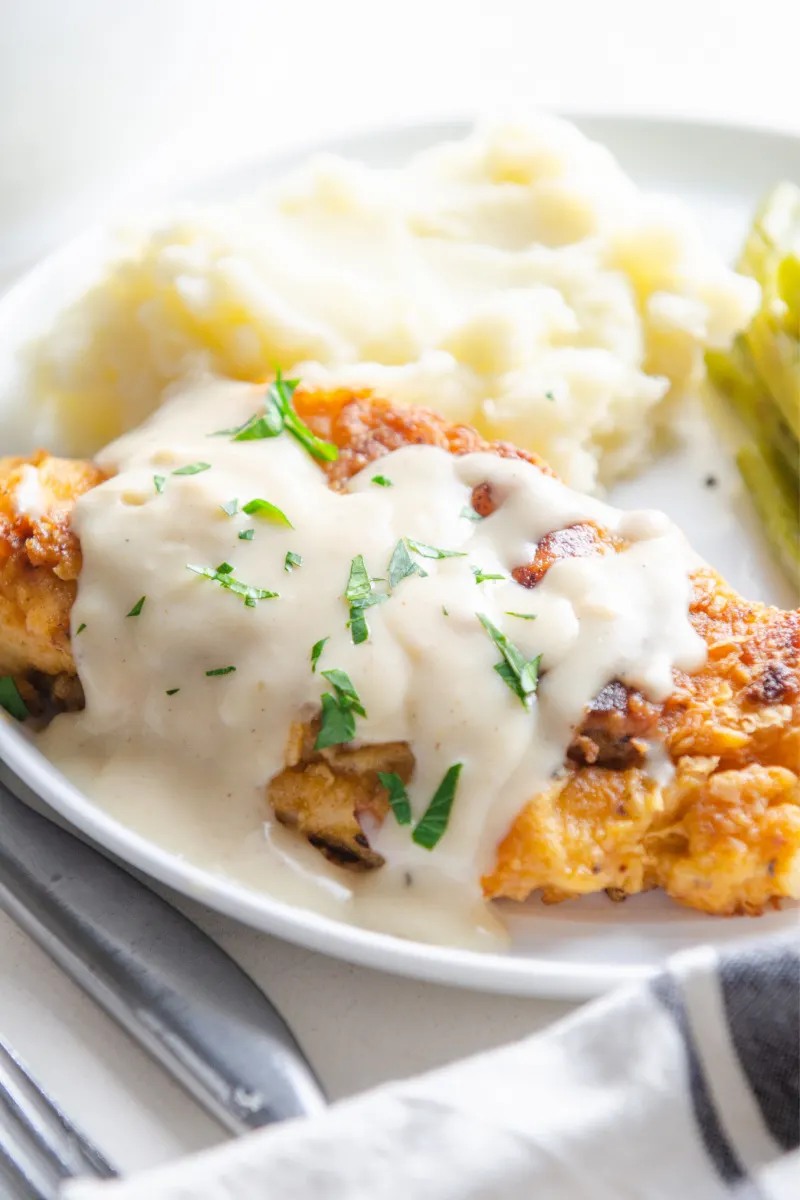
x=153, y=971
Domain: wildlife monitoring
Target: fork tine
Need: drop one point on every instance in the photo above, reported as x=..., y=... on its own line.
x=39, y=1122
x=22, y=1175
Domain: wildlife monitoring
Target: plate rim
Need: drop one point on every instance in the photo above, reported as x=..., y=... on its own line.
x=474, y=970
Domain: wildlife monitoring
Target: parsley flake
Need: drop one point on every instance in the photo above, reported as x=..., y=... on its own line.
x=316, y=650
x=292, y=560
x=381, y=481
x=433, y=824
x=522, y=616
x=223, y=575
x=398, y=796
x=279, y=415
x=158, y=483
x=231, y=508
x=233, y=429
x=549, y=396
x=80, y=628
x=359, y=595
x=263, y=508
x=338, y=724
x=481, y=576
x=137, y=608
x=469, y=512
x=173, y=691
x=267, y=425
x=280, y=394
x=359, y=584
x=517, y=672
x=246, y=535
x=221, y=671
x=402, y=564
x=193, y=469
x=342, y=684
x=433, y=551
x=11, y=700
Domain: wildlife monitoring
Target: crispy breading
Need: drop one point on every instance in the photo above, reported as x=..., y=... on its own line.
x=40, y=561
x=723, y=835
x=328, y=795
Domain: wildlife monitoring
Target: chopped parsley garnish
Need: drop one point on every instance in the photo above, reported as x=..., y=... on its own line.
x=343, y=686
x=11, y=700
x=522, y=616
x=469, y=512
x=233, y=429
x=480, y=575
x=444, y=610
x=338, y=720
x=402, y=564
x=359, y=595
x=223, y=575
x=280, y=394
x=433, y=551
x=268, y=425
x=359, y=628
x=292, y=560
x=263, y=508
x=80, y=628
x=246, y=535
x=359, y=584
x=382, y=481
x=173, y=691
x=549, y=396
x=231, y=508
x=338, y=723
x=158, y=483
x=519, y=673
x=193, y=469
x=137, y=608
x=221, y=671
x=398, y=796
x=279, y=415
x=316, y=650
x=433, y=824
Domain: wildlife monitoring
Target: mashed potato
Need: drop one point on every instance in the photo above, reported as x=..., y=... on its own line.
x=516, y=280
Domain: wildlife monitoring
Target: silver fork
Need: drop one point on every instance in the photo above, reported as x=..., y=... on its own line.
x=39, y=1146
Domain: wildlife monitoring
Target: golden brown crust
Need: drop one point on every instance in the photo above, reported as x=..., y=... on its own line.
x=722, y=836
x=40, y=560
x=365, y=427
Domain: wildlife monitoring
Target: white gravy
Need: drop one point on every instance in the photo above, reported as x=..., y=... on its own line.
x=190, y=770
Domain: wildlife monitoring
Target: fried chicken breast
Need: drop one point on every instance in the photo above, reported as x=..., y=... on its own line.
x=720, y=832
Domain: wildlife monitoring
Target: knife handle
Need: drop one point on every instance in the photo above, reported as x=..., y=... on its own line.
x=168, y=984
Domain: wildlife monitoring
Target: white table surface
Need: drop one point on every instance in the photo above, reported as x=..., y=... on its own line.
x=102, y=104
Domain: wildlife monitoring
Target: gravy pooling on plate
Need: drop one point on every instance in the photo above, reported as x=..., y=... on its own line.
x=198, y=619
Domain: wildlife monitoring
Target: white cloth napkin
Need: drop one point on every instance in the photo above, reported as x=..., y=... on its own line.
x=684, y=1089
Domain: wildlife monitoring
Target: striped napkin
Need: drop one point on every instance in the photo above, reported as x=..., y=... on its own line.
x=687, y=1088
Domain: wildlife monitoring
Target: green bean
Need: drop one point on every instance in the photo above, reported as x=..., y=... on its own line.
x=776, y=501
x=733, y=374
x=776, y=355
x=760, y=374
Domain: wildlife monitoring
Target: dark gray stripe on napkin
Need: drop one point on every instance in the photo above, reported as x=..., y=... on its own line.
x=761, y=992
x=720, y=1151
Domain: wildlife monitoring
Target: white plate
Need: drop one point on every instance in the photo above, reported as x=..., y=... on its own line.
x=577, y=948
